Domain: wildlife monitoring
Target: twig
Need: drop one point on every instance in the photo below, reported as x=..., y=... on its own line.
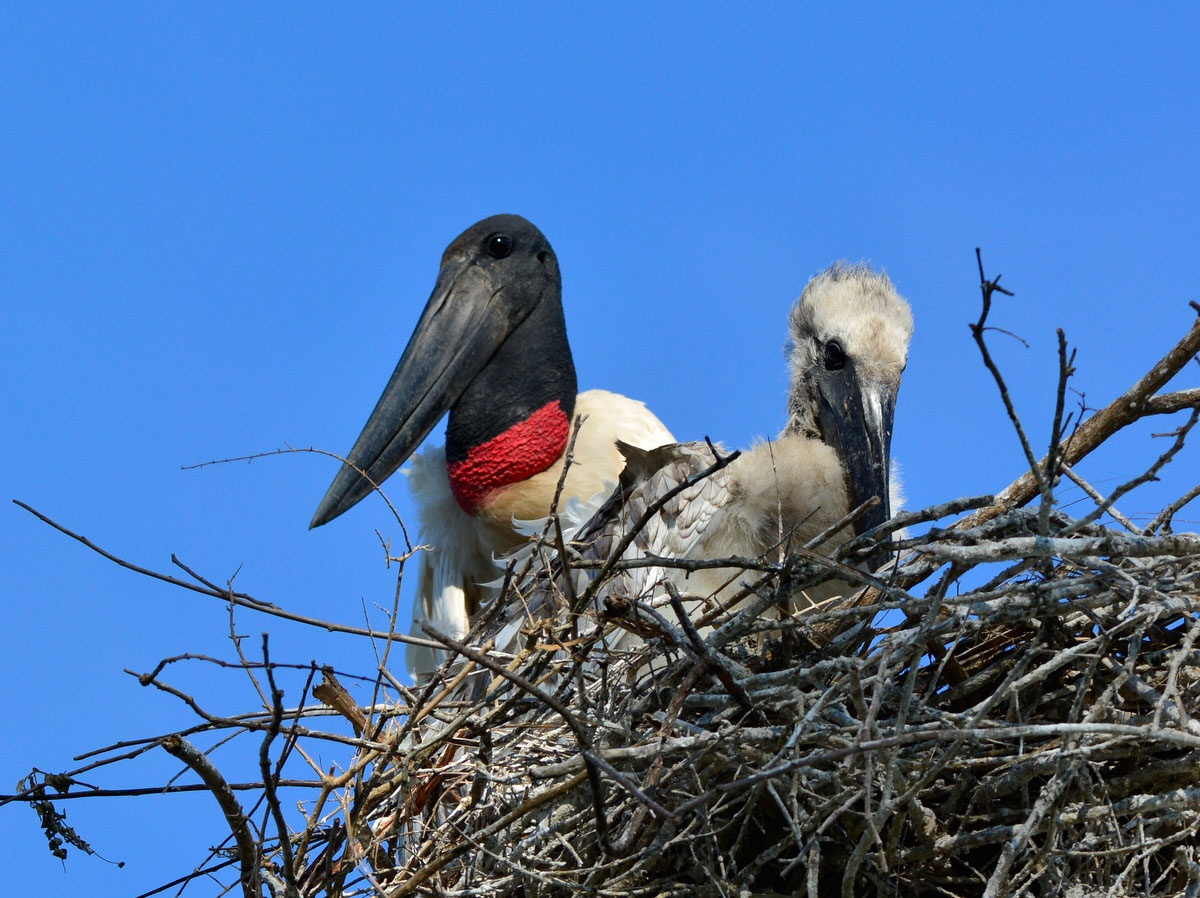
x=709, y=656
x=1169, y=403
x=238, y=598
x=581, y=734
x=988, y=288
x=248, y=852
x=1095, y=496
x=1162, y=520
x=334, y=694
x=136, y=791
x=289, y=450
x=1118, y=414
x=264, y=766
x=1066, y=368
x=1147, y=476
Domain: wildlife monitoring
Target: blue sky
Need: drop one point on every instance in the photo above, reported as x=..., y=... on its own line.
x=218, y=225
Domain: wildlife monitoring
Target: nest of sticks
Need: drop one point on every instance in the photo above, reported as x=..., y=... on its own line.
x=1012, y=708
x=1030, y=735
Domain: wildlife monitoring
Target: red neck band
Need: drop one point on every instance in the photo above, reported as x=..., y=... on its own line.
x=525, y=449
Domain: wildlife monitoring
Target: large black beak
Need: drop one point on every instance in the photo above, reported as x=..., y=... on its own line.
x=857, y=422
x=467, y=319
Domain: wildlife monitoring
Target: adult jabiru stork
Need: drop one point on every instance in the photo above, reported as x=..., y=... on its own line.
x=849, y=335
x=491, y=349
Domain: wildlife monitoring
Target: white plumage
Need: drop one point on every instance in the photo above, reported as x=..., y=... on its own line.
x=849, y=335
x=458, y=570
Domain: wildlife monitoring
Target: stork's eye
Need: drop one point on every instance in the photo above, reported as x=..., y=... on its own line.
x=498, y=245
x=835, y=356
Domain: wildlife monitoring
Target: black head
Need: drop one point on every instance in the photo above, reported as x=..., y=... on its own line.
x=497, y=275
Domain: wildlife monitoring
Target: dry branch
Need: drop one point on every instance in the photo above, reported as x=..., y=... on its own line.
x=247, y=844
x=1134, y=404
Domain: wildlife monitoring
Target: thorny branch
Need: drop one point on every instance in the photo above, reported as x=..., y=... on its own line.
x=240, y=599
x=290, y=450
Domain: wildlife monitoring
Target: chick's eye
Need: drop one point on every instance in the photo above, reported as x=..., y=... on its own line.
x=498, y=245
x=835, y=356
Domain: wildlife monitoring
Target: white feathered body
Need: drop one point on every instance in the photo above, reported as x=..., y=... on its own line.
x=765, y=504
x=462, y=553
x=768, y=502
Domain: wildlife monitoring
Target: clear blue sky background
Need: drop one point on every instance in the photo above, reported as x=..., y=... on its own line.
x=218, y=224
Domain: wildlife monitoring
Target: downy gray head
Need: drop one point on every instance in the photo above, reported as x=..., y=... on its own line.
x=849, y=335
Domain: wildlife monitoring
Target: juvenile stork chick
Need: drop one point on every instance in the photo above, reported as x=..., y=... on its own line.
x=848, y=346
